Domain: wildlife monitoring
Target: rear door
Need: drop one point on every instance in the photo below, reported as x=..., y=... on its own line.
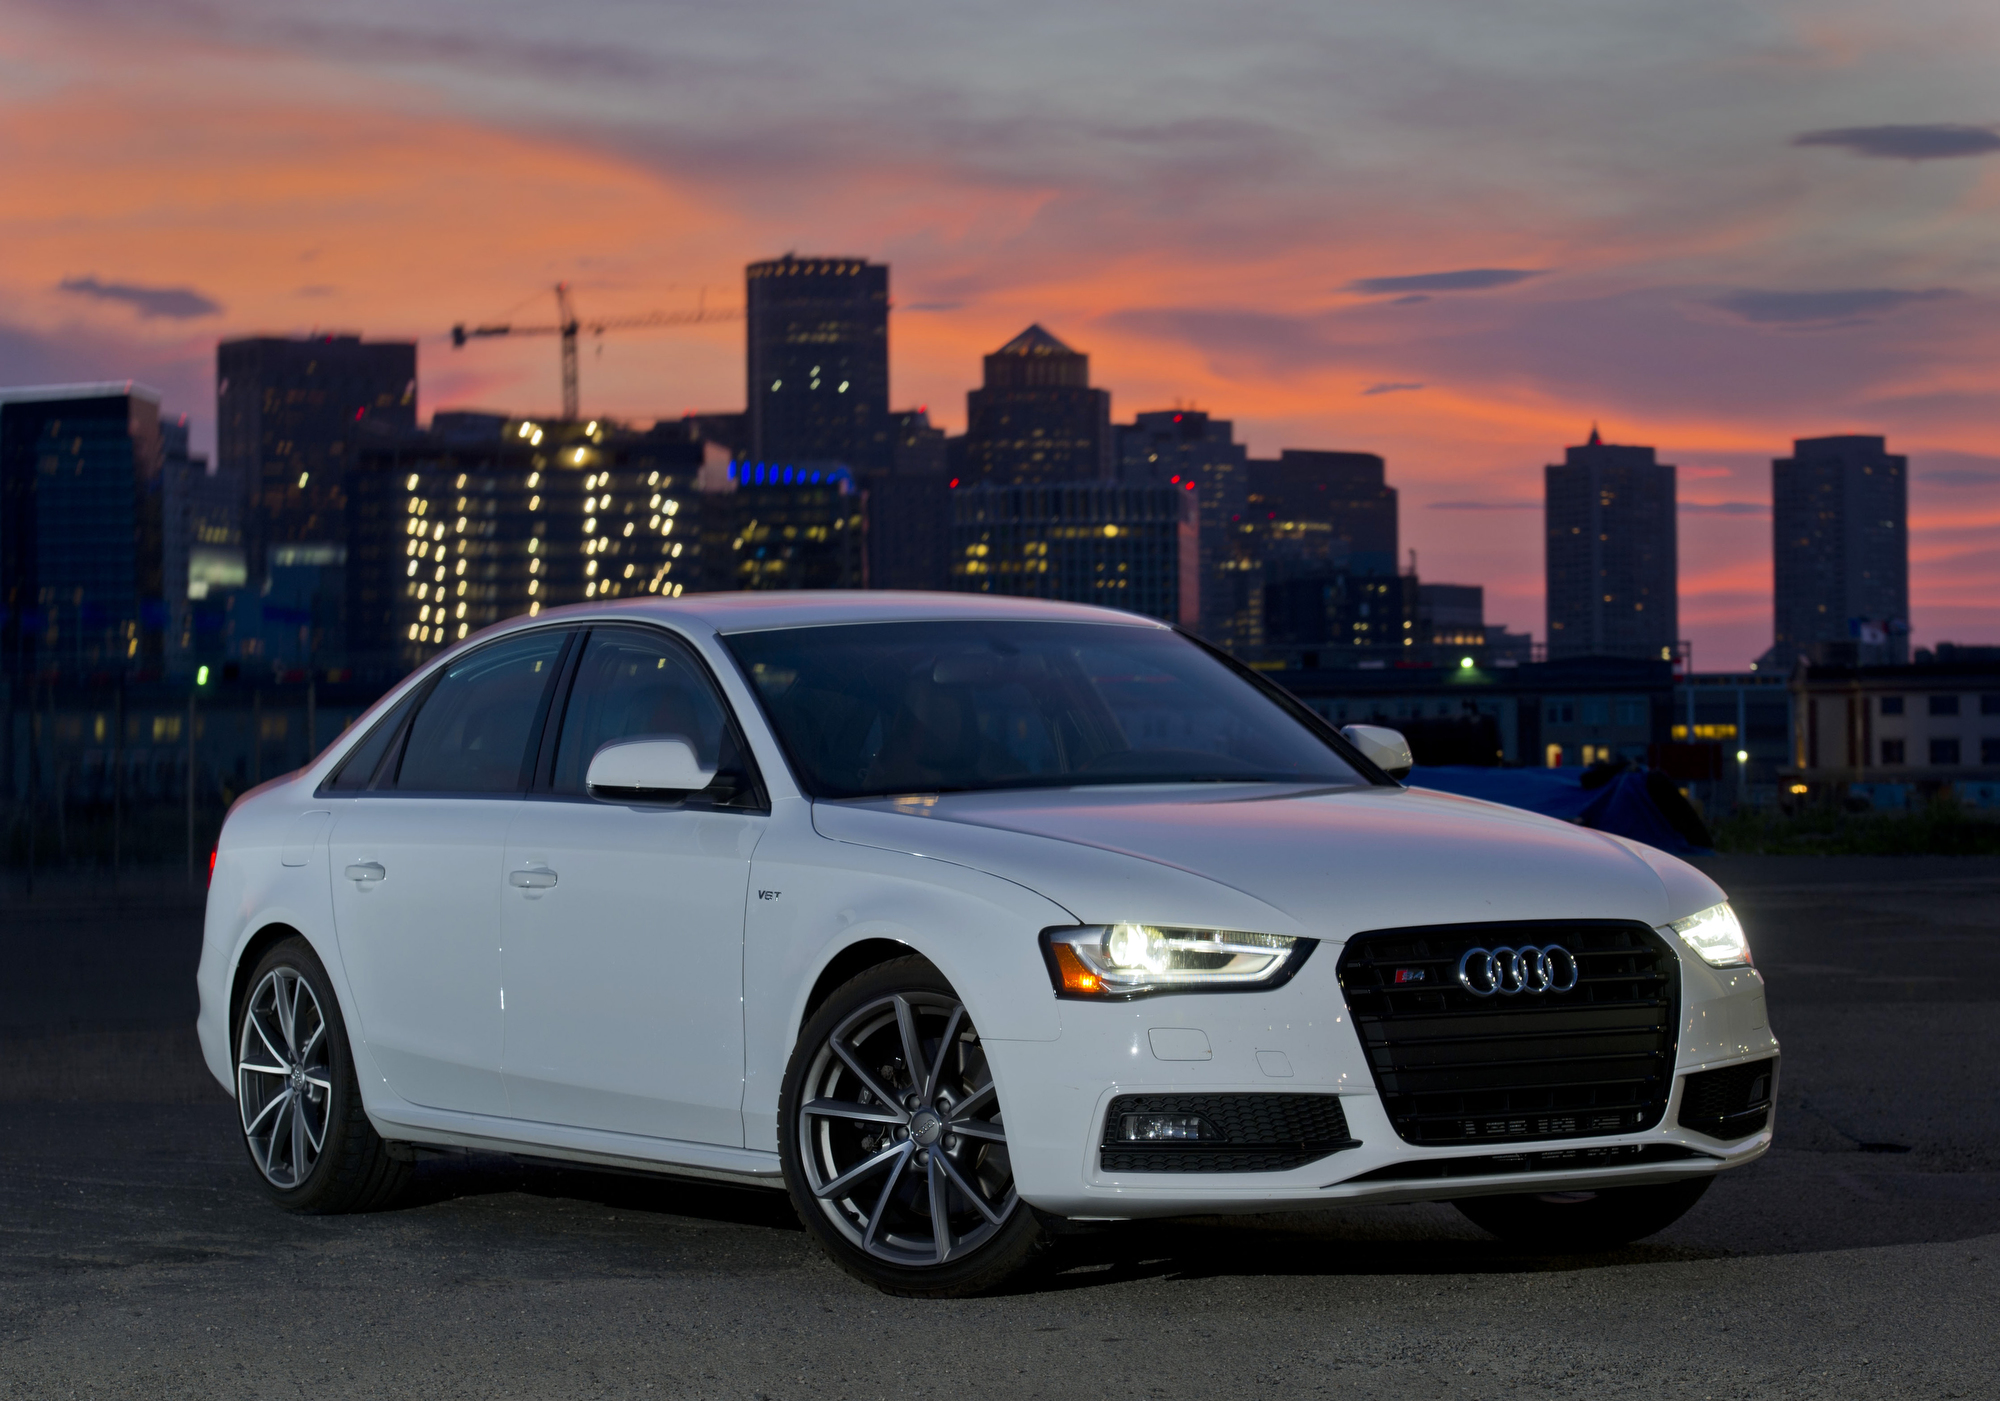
x=624, y=922
x=418, y=870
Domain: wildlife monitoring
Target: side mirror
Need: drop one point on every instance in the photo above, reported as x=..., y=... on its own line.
x=1384, y=747
x=651, y=767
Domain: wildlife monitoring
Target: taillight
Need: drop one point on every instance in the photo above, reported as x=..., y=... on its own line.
x=211, y=866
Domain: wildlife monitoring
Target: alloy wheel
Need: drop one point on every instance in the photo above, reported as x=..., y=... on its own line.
x=900, y=1134
x=284, y=1078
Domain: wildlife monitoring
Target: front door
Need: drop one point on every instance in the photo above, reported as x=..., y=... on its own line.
x=623, y=962
x=418, y=867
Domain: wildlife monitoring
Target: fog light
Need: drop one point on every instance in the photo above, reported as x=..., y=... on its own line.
x=1164, y=1128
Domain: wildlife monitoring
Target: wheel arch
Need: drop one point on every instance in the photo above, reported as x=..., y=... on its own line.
x=850, y=962
x=247, y=958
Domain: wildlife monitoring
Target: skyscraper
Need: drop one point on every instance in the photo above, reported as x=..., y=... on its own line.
x=818, y=362
x=1330, y=508
x=782, y=526
x=1841, y=549
x=1036, y=419
x=201, y=551
x=459, y=528
x=1123, y=547
x=81, y=570
x=287, y=415
x=1612, y=567
x=919, y=448
x=1186, y=450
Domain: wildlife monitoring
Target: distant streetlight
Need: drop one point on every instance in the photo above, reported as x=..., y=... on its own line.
x=1742, y=756
x=1465, y=663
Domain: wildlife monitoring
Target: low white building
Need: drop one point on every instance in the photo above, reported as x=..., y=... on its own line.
x=1887, y=733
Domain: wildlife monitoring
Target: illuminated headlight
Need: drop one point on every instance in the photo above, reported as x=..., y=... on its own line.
x=1716, y=935
x=1126, y=960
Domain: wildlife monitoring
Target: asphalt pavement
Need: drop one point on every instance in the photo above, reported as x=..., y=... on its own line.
x=1857, y=1259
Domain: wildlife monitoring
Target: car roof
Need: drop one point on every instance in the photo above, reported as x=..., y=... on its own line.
x=754, y=612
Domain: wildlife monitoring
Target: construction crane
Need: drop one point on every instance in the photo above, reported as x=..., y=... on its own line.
x=568, y=324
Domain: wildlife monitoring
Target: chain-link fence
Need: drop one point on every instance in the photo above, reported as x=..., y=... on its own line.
x=115, y=776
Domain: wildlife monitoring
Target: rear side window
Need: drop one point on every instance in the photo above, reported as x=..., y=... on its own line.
x=357, y=770
x=634, y=683
x=473, y=732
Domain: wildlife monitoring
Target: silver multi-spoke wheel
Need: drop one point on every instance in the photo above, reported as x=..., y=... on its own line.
x=899, y=1132
x=284, y=1081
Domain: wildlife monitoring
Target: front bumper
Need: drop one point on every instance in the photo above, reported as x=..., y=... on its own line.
x=1299, y=1039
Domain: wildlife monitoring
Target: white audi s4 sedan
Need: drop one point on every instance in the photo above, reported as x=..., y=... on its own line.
x=959, y=919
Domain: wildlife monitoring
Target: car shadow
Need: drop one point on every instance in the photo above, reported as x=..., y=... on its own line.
x=1336, y=1243
x=457, y=1176
x=1424, y=1239
x=1793, y=1203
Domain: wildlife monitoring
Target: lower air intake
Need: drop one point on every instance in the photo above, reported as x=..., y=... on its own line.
x=1729, y=1103
x=1221, y=1133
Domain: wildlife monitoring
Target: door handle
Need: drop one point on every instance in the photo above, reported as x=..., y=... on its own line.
x=365, y=871
x=532, y=880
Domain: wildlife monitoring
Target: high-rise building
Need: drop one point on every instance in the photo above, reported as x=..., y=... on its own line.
x=1186, y=450
x=730, y=430
x=1133, y=548
x=288, y=413
x=1841, y=551
x=909, y=530
x=454, y=530
x=1451, y=616
x=919, y=447
x=1316, y=510
x=1363, y=616
x=818, y=362
x=82, y=584
x=1036, y=419
x=1608, y=520
x=201, y=552
x=769, y=525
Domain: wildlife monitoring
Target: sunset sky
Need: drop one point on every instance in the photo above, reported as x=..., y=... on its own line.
x=1454, y=232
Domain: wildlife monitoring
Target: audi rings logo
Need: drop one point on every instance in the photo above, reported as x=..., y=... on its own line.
x=1507, y=972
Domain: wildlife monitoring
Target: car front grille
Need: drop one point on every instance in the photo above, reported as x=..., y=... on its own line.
x=1733, y=1102
x=1239, y=1133
x=1454, y=1067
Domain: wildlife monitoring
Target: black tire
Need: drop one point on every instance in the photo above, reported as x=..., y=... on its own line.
x=953, y=1138
x=303, y=1053
x=1573, y=1222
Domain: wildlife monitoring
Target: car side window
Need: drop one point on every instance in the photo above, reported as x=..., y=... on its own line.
x=357, y=771
x=634, y=683
x=473, y=732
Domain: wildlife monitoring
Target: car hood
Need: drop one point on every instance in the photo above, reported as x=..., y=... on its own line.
x=1321, y=863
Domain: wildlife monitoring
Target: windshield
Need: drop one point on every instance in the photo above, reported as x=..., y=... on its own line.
x=870, y=709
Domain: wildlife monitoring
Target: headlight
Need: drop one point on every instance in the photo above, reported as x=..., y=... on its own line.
x=1127, y=960
x=1716, y=935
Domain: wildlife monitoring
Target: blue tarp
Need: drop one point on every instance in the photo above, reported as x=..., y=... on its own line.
x=1621, y=806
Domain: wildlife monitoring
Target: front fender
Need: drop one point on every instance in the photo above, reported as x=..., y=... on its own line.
x=811, y=899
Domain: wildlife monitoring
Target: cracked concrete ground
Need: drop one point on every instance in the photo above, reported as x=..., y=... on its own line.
x=1858, y=1259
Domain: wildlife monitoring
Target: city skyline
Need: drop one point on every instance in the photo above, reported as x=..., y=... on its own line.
x=1326, y=263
